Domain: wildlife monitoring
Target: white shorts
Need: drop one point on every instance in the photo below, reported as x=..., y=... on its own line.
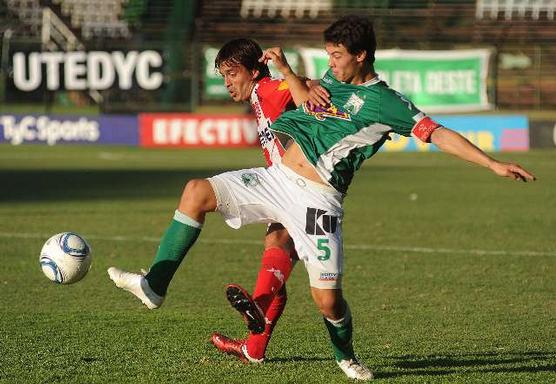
x=311, y=212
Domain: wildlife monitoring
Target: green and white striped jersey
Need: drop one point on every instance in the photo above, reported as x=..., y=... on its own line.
x=338, y=138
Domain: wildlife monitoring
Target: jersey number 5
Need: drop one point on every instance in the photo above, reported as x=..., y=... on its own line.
x=322, y=245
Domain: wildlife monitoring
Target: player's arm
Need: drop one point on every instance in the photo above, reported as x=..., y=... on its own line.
x=406, y=119
x=297, y=86
x=452, y=142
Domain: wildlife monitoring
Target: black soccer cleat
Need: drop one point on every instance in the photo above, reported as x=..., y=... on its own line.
x=244, y=304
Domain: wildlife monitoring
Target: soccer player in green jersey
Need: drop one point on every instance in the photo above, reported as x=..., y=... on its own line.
x=305, y=192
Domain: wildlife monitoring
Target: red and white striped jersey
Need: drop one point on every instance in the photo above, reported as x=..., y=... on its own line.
x=269, y=99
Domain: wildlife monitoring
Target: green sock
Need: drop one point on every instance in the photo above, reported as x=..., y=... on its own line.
x=174, y=245
x=341, y=332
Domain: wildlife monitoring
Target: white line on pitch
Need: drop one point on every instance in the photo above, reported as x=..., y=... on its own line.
x=359, y=247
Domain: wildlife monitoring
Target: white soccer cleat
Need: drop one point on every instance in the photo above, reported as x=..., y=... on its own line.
x=137, y=285
x=355, y=370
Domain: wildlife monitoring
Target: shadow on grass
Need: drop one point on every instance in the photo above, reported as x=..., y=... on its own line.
x=297, y=359
x=435, y=365
x=82, y=184
x=67, y=185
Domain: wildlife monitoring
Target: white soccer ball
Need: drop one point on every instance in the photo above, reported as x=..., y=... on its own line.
x=65, y=258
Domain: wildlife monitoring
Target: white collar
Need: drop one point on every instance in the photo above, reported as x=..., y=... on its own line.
x=373, y=81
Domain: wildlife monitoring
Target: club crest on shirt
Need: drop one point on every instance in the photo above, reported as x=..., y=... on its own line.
x=250, y=179
x=354, y=104
x=321, y=113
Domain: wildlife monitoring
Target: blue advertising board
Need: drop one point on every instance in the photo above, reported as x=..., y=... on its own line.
x=490, y=133
x=19, y=129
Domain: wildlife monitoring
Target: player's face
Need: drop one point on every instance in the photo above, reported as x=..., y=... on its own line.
x=344, y=65
x=238, y=80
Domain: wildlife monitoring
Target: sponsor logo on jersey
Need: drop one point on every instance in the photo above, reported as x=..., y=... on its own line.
x=354, y=104
x=250, y=179
x=321, y=113
x=328, y=276
x=270, y=145
x=265, y=135
x=317, y=223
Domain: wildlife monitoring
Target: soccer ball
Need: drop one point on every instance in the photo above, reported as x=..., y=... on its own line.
x=65, y=258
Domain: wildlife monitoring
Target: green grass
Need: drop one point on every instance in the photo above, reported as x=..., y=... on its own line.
x=450, y=273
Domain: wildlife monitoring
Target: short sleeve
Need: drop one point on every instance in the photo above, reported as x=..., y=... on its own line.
x=404, y=117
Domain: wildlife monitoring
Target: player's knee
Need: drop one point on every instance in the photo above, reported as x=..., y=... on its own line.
x=330, y=309
x=198, y=196
x=277, y=240
x=330, y=303
x=278, y=237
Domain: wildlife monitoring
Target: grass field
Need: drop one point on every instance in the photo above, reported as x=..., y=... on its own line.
x=451, y=273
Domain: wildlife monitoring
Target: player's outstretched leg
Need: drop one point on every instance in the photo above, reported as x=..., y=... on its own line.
x=242, y=301
x=137, y=285
x=197, y=199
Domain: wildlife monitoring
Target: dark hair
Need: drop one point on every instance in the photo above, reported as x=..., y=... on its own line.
x=242, y=51
x=356, y=33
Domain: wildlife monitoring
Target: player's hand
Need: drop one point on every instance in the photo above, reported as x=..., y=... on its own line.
x=318, y=95
x=278, y=58
x=511, y=170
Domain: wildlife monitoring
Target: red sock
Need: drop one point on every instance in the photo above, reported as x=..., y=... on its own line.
x=256, y=344
x=270, y=295
x=275, y=270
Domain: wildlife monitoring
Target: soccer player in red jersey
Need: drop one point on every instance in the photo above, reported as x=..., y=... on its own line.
x=247, y=79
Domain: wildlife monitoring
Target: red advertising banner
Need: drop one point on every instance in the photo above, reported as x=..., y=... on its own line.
x=197, y=130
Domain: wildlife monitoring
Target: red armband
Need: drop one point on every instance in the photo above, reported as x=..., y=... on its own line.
x=424, y=129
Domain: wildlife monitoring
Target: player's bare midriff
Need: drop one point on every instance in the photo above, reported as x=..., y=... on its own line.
x=295, y=159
